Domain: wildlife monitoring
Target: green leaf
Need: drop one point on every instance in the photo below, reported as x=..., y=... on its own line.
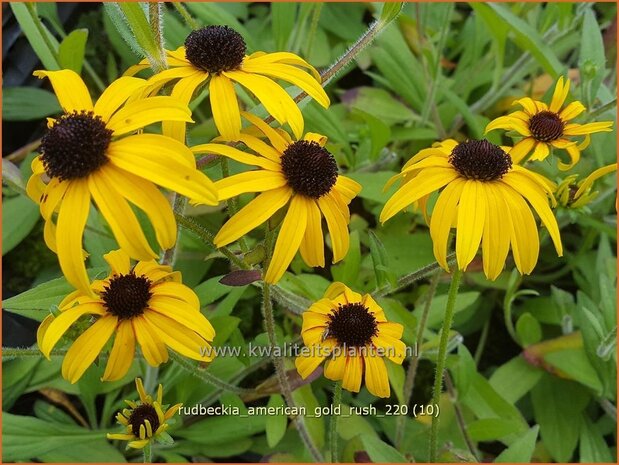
x=439, y=303
x=558, y=405
x=19, y=215
x=380, y=261
x=525, y=36
x=390, y=11
x=276, y=424
x=381, y=104
x=514, y=379
x=316, y=425
x=593, y=447
x=28, y=103
x=464, y=370
x=34, y=30
x=528, y=329
x=592, y=60
x=575, y=363
x=283, y=17
x=138, y=23
x=381, y=452
x=396, y=376
x=373, y=184
x=348, y=270
x=72, y=49
x=35, y=303
x=492, y=429
x=521, y=450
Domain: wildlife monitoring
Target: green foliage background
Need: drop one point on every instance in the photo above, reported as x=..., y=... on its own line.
x=547, y=392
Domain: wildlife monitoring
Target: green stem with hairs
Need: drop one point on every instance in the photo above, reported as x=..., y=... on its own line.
x=442, y=357
x=192, y=23
x=337, y=402
x=411, y=373
x=18, y=352
x=155, y=20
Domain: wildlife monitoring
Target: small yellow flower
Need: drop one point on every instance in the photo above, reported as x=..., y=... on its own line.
x=546, y=126
x=301, y=174
x=485, y=197
x=351, y=332
x=147, y=304
x=145, y=420
x=216, y=54
x=93, y=151
x=571, y=194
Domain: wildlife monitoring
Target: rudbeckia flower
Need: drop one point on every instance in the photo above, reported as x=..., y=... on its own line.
x=216, y=55
x=91, y=151
x=351, y=333
x=485, y=197
x=301, y=174
x=546, y=126
x=147, y=304
x=144, y=420
x=571, y=194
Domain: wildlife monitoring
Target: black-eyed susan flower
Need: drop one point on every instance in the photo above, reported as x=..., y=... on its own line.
x=216, y=55
x=146, y=304
x=302, y=174
x=145, y=420
x=546, y=126
x=353, y=335
x=573, y=194
x=485, y=197
x=91, y=151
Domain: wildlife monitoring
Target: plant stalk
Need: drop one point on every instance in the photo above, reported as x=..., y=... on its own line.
x=337, y=402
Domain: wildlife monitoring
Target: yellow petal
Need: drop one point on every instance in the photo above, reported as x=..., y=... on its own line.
x=225, y=107
x=237, y=155
x=521, y=149
x=442, y=219
x=145, y=195
x=121, y=355
x=182, y=313
x=118, y=261
x=288, y=239
x=337, y=224
x=314, y=137
x=177, y=291
x=471, y=218
x=183, y=91
x=120, y=217
x=347, y=187
x=71, y=222
x=313, y=320
x=252, y=215
x=335, y=366
x=572, y=111
x=528, y=104
x=54, y=192
x=376, y=378
x=353, y=372
x=274, y=137
x=524, y=234
x=260, y=147
x=306, y=363
x=116, y=94
x=497, y=233
x=250, y=181
x=156, y=158
x=86, y=348
x=281, y=57
x=69, y=88
x=392, y=348
x=312, y=246
x=42, y=329
x=140, y=113
x=589, y=128
x=502, y=122
x=559, y=95
x=151, y=344
x=589, y=180
x=541, y=151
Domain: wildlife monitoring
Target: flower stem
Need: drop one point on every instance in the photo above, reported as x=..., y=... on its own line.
x=603, y=108
x=411, y=373
x=416, y=275
x=207, y=237
x=18, y=352
x=192, y=23
x=337, y=401
x=155, y=20
x=442, y=356
x=207, y=377
x=148, y=452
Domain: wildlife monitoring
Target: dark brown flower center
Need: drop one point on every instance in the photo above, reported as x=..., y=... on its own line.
x=75, y=145
x=127, y=295
x=215, y=49
x=479, y=159
x=352, y=325
x=546, y=126
x=309, y=168
x=139, y=415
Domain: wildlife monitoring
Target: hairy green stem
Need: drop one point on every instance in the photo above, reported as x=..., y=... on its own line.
x=155, y=20
x=416, y=275
x=411, y=373
x=207, y=377
x=337, y=402
x=441, y=358
x=313, y=28
x=19, y=352
x=603, y=108
x=192, y=23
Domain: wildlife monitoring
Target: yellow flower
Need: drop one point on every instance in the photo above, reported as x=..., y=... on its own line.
x=147, y=303
x=91, y=151
x=217, y=54
x=546, y=126
x=575, y=195
x=354, y=334
x=302, y=173
x=485, y=197
x=145, y=420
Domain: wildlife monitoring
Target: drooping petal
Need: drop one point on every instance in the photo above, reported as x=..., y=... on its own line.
x=116, y=94
x=497, y=233
x=183, y=91
x=353, y=373
x=307, y=363
x=54, y=192
x=390, y=347
x=471, y=219
x=177, y=291
x=274, y=137
x=86, y=348
x=250, y=181
x=541, y=151
x=347, y=187
x=182, y=313
x=524, y=234
x=237, y=155
x=521, y=149
x=122, y=353
x=589, y=128
x=335, y=366
x=140, y=113
x=69, y=88
x=337, y=225
x=289, y=238
x=312, y=246
x=260, y=147
x=151, y=344
x=442, y=219
x=281, y=57
x=252, y=215
x=225, y=107
x=589, y=180
x=376, y=378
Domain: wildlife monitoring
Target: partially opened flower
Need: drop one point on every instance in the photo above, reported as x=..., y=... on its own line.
x=92, y=151
x=146, y=304
x=216, y=55
x=544, y=127
x=485, y=197
x=353, y=335
x=145, y=420
x=301, y=175
x=574, y=194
